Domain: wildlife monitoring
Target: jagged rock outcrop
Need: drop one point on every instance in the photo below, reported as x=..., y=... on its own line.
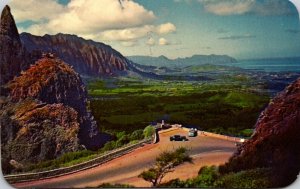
x=32, y=131
x=86, y=56
x=276, y=141
x=45, y=114
x=13, y=57
x=51, y=81
x=43, y=108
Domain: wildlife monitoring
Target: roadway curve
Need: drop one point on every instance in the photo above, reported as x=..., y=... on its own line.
x=204, y=150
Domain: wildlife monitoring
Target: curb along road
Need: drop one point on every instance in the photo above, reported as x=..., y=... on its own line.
x=75, y=168
x=102, y=159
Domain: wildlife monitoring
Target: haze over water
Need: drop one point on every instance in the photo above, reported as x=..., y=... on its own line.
x=270, y=65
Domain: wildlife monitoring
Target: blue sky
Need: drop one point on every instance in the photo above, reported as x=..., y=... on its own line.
x=174, y=28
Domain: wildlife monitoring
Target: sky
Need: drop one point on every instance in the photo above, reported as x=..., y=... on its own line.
x=243, y=29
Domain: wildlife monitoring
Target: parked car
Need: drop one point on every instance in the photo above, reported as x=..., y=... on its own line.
x=178, y=138
x=193, y=132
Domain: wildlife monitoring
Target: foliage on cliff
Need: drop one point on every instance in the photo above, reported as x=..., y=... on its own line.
x=275, y=143
x=32, y=131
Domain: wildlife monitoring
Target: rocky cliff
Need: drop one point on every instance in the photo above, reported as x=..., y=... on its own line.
x=43, y=111
x=32, y=131
x=45, y=114
x=86, y=56
x=13, y=57
x=50, y=80
x=276, y=141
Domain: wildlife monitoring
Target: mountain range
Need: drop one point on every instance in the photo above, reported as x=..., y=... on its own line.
x=87, y=57
x=163, y=61
x=95, y=59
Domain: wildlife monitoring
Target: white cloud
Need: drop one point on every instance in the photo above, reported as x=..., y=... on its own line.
x=2, y=4
x=238, y=37
x=129, y=43
x=162, y=41
x=227, y=7
x=166, y=28
x=85, y=16
x=126, y=34
x=35, y=10
x=274, y=7
x=81, y=16
x=237, y=7
x=151, y=42
x=106, y=20
x=137, y=33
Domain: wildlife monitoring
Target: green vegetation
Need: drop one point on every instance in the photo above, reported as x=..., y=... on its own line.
x=73, y=158
x=109, y=185
x=165, y=163
x=255, y=178
x=209, y=177
x=148, y=131
x=209, y=68
x=121, y=138
x=232, y=131
x=131, y=104
x=206, y=177
x=64, y=160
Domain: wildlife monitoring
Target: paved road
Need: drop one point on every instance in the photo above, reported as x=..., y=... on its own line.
x=204, y=150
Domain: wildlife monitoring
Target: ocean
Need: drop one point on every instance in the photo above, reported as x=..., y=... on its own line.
x=270, y=65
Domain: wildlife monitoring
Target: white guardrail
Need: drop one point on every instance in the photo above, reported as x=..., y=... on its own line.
x=75, y=168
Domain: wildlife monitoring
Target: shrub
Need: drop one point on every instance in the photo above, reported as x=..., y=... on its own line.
x=122, y=141
x=255, y=178
x=206, y=177
x=175, y=183
x=109, y=185
x=120, y=134
x=247, y=132
x=109, y=146
x=149, y=131
x=56, y=163
x=137, y=135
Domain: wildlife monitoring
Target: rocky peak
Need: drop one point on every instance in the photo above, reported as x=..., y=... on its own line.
x=7, y=25
x=275, y=144
x=52, y=81
x=32, y=132
x=13, y=57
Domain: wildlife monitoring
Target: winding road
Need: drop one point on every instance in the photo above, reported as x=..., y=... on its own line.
x=204, y=150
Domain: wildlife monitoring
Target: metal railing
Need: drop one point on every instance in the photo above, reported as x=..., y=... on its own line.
x=75, y=168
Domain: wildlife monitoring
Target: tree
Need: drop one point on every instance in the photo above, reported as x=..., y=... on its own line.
x=164, y=164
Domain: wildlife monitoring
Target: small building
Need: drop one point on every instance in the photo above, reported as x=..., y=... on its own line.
x=176, y=125
x=163, y=125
